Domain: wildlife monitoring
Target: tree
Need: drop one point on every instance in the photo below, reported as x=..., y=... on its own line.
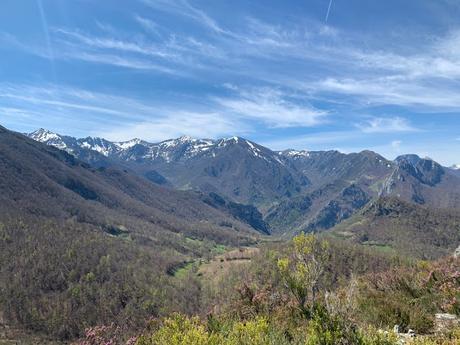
x=303, y=269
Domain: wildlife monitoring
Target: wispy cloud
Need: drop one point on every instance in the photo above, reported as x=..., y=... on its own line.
x=112, y=43
x=174, y=124
x=74, y=45
x=127, y=117
x=280, y=75
x=184, y=8
x=148, y=24
x=392, y=91
x=386, y=125
x=239, y=113
x=58, y=107
x=426, y=80
x=116, y=60
x=55, y=99
x=273, y=107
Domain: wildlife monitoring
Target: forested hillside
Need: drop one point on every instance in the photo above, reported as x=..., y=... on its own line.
x=82, y=246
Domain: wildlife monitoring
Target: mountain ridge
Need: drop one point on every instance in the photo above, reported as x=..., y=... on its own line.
x=294, y=190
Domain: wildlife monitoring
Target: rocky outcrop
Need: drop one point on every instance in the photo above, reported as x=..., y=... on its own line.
x=457, y=252
x=445, y=322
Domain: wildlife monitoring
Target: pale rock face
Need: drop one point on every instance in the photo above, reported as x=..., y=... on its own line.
x=445, y=322
x=457, y=253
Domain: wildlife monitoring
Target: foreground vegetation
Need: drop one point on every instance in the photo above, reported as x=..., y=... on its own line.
x=312, y=292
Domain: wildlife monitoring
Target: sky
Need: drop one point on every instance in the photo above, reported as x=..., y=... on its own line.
x=302, y=74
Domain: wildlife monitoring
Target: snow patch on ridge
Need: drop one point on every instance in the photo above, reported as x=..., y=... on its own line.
x=128, y=144
x=295, y=153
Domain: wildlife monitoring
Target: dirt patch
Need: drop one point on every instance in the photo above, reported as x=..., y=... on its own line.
x=220, y=265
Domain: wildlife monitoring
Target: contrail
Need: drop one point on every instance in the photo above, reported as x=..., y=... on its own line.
x=328, y=10
x=47, y=36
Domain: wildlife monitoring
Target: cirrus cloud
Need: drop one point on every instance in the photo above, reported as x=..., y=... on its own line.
x=386, y=125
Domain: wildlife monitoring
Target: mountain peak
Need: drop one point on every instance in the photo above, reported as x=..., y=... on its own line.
x=234, y=138
x=413, y=159
x=185, y=138
x=48, y=137
x=42, y=134
x=369, y=153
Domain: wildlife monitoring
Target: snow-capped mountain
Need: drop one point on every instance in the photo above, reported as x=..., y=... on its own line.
x=48, y=137
x=73, y=145
x=167, y=151
x=455, y=167
x=235, y=167
x=297, y=188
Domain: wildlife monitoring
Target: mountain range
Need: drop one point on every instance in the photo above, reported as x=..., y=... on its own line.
x=46, y=181
x=294, y=190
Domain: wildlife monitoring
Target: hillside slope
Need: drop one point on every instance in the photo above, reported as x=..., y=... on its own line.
x=45, y=181
x=411, y=229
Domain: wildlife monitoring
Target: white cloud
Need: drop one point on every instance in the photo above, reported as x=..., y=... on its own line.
x=175, y=124
x=426, y=80
x=272, y=107
x=116, y=60
x=152, y=119
x=123, y=117
x=115, y=44
x=385, y=125
x=394, y=91
x=148, y=25
x=171, y=54
x=183, y=8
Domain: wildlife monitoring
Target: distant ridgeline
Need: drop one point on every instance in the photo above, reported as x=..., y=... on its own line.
x=295, y=191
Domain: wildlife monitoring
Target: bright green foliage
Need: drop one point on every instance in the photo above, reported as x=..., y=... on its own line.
x=324, y=329
x=452, y=338
x=255, y=332
x=180, y=330
x=321, y=330
x=372, y=336
x=304, y=268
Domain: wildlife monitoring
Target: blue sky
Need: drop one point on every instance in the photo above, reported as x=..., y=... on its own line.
x=370, y=74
